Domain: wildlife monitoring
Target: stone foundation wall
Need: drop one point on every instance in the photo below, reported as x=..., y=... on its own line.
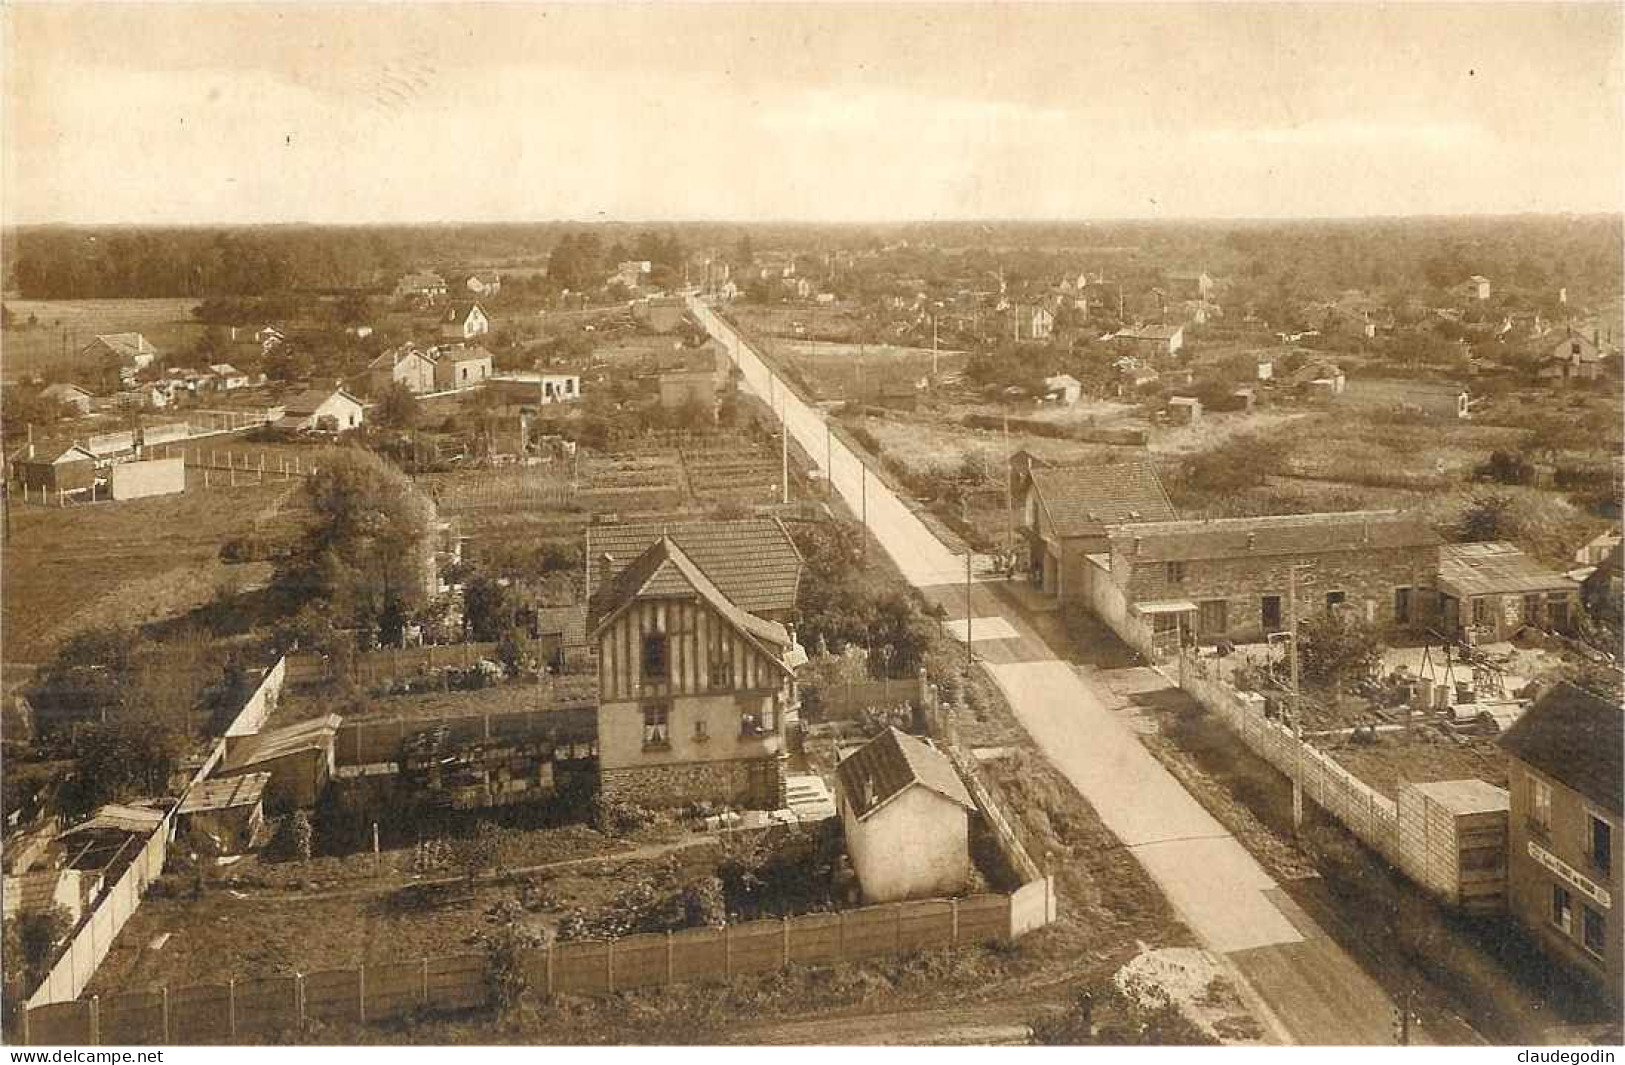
x=753, y=783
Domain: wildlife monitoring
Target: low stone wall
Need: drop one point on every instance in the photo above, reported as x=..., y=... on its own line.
x=748, y=782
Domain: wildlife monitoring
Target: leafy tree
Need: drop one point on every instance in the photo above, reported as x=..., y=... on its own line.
x=398, y=408
x=489, y=606
x=32, y=937
x=1486, y=517
x=480, y=851
x=369, y=543
x=1337, y=648
x=1243, y=461
x=21, y=407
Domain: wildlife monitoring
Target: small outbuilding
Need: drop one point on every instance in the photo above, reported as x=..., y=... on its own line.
x=227, y=810
x=298, y=759
x=1184, y=410
x=1493, y=589
x=67, y=469
x=906, y=815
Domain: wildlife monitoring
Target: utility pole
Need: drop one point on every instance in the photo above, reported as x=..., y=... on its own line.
x=864, y=496
x=1297, y=701
x=1009, y=502
x=784, y=452
x=933, y=346
x=968, y=553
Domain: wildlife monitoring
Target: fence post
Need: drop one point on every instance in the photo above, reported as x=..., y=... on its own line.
x=361, y=993
x=609, y=965
x=547, y=960
x=727, y=950
x=953, y=915
x=671, y=968
x=231, y=1009
x=167, y=1037
x=95, y=1020
x=897, y=928
x=299, y=998
x=423, y=984
x=840, y=934
x=784, y=925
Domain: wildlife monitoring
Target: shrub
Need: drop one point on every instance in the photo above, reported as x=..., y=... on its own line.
x=617, y=817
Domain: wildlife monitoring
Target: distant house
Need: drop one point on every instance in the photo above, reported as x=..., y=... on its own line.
x=485, y=283
x=1476, y=287
x=406, y=365
x=1151, y=341
x=116, y=358
x=560, y=388
x=1598, y=547
x=1491, y=590
x=693, y=688
x=69, y=396
x=1034, y=321
x=1065, y=512
x=423, y=287
x=328, y=410
x=66, y=468
x=457, y=366
x=227, y=377
x=633, y=273
x=906, y=817
x=1563, y=857
x=1574, y=358
x=464, y=321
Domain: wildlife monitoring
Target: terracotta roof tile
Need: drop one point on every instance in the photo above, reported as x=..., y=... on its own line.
x=753, y=561
x=1284, y=534
x=889, y=764
x=1081, y=499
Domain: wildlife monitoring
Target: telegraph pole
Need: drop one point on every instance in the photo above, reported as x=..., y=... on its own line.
x=1009, y=502
x=784, y=452
x=968, y=553
x=865, y=508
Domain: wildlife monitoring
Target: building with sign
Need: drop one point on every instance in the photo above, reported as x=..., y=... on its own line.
x=1567, y=770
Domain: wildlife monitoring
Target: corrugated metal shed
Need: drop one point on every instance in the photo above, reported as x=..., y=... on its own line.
x=1495, y=568
x=225, y=793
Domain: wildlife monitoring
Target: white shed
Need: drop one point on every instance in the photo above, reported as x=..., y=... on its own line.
x=906, y=815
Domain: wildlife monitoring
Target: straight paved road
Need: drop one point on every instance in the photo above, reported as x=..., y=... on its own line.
x=1311, y=991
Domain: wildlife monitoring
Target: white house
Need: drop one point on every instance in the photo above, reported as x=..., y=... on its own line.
x=464, y=321
x=227, y=377
x=457, y=366
x=1063, y=387
x=406, y=365
x=906, y=815
x=328, y=410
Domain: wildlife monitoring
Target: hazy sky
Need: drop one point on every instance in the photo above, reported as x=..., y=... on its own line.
x=399, y=112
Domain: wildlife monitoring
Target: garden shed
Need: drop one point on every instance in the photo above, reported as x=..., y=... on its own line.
x=298, y=759
x=227, y=810
x=1457, y=829
x=906, y=815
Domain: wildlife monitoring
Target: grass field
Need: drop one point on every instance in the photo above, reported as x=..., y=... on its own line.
x=66, y=326
x=126, y=563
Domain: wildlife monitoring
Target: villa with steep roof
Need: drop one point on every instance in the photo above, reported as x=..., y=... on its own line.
x=693, y=688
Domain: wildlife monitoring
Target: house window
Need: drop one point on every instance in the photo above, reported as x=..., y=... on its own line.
x=1483, y=612
x=1593, y=930
x=654, y=658
x=1402, y=606
x=1562, y=908
x=1531, y=609
x=1176, y=573
x=756, y=718
x=701, y=732
x=1602, y=843
x=1540, y=805
x=656, y=735
x=1334, y=600
x=1557, y=610
x=721, y=666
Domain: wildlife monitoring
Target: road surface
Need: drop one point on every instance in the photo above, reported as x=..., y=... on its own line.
x=1306, y=989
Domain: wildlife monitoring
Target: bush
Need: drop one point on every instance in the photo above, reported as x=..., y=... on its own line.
x=617, y=817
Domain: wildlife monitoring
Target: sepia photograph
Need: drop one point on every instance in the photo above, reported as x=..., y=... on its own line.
x=906, y=524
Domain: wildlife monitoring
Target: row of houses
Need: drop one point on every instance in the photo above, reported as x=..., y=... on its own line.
x=440, y=368
x=1108, y=535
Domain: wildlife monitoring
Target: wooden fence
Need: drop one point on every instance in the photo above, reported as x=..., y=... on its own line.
x=1372, y=817
x=108, y=914
x=242, y=1010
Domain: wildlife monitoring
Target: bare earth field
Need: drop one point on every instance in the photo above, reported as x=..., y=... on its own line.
x=126, y=563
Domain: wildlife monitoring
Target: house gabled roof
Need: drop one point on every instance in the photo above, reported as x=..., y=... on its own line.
x=753, y=560
x=1151, y=332
x=663, y=571
x=889, y=765
x=64, y=389
x=1284, y=534
x=1578, y=739
x=310, y=400
x=225, y=369
x=460, y=353
x=125, y=345
x=459, y=312
x=1079, y=500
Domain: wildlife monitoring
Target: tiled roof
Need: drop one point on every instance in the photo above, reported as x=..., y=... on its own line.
x=753, y=561
x=309, y=400
x=888, y=765
x=1577, y=739
x=1287, y=534
x=1151, y=332
x=1495, y=568
x=665, y=571
x=127, y=345
x=1081, y=499
x=570, y=621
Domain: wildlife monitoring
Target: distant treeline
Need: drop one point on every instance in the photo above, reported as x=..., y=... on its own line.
x=1272, y=260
